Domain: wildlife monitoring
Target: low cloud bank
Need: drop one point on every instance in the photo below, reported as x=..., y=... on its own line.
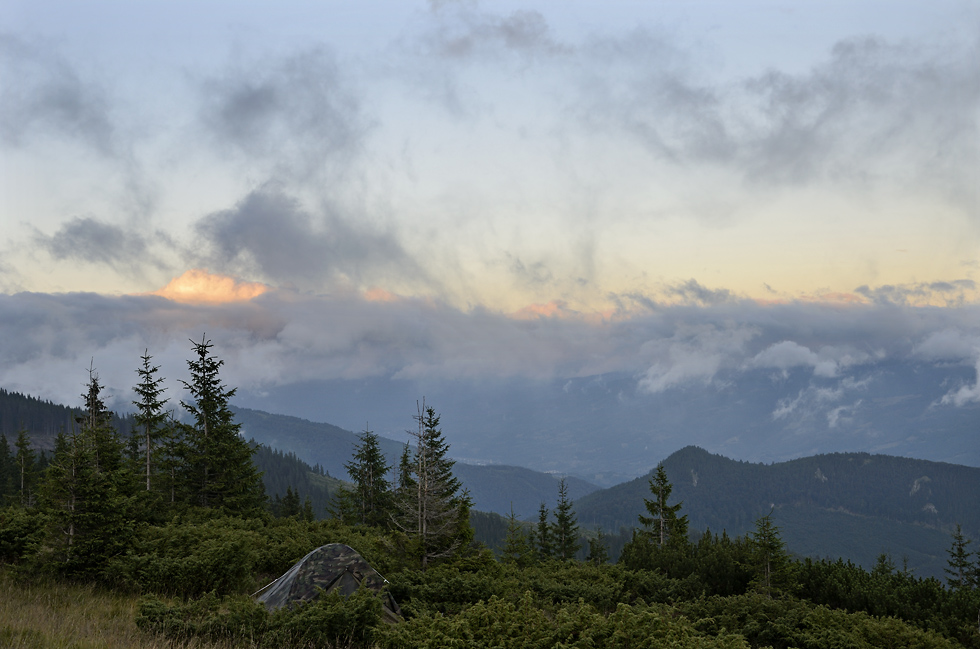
x=281, y=337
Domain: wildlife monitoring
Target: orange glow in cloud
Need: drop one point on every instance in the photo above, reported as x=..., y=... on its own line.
x=550, y=310
x=379, y=295
x=198, y=286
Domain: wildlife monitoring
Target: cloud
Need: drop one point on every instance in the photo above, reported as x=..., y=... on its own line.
x=283, y=337
x=872, y=113
x=787, y=354
x=966, y=394
x=693, y=353
x=269, y=234
x=951, y=293
x=298, y=115
x=459, y=31
x=44, y=95
x=197, y=286
x=948, y=345
x=92, y=241
x=691, y=292
x=818, y=400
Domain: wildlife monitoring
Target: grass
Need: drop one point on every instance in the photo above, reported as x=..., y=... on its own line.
x=49, y=615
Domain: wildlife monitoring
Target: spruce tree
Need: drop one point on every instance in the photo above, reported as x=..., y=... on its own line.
x=960, y=569
x=289, y=506
x=434, y=511
x=598, y=554
x=773, y=567
x=25, y=468
x=518, y=548
x=218, y=472
x=7, y=470
x=151, y=419
x=564, y=531
x=87, y=491
x=371, y=494
x=663, y=524
x=542, y=538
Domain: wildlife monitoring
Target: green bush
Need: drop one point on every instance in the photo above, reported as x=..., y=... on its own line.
x=522, y=624
x=189, y=559
x=330, y=620
x=21, y=533
x=795, y=623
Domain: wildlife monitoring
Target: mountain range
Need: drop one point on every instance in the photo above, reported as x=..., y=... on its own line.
x=852, y=505
x=608, y=428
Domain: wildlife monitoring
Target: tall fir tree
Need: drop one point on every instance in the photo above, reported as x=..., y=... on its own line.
x=434, y=511
x=663, y=524
x=518, y=546
x=370, y=497
x=151, y=418
x=662, y=543
x=543, y=541
x=773, y=567
x=86, y=492
x=26, y=471
x=8, y=471
x=218, y=471
x=960, y=570
x=564, y=530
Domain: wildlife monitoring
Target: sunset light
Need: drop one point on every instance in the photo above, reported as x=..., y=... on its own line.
x=198, y=286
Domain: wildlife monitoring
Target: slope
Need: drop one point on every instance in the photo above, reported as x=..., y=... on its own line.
x=850, y=505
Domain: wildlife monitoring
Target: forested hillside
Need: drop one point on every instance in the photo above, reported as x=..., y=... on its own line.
x=851, y=505
x=42, y=419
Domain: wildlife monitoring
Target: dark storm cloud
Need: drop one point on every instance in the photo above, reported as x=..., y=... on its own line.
x=300, y=114
x=90, y=240
x=43, y=95
x=269, y=233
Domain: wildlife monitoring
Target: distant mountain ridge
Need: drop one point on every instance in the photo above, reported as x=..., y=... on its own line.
x=493, y=488
x=851, y=505
x=607, y=428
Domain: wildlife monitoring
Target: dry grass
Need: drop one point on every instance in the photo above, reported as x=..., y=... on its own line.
x=59, y=616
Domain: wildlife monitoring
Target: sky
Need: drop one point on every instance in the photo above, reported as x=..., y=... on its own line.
x=487, y=189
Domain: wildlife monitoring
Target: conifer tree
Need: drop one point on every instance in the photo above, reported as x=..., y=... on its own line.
x=289, y=505
x=663, y=524
x=564, y=531
x=150, y=416
x=542, y=538
x=371, y=494
x=518, y=548
x=218, y=471
x=434, y=511
x=7, y=470
x=598, y=554
x=773, y=568
x=960, y=573
x=25, y=468
x=404, y=477
x=86, y=491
